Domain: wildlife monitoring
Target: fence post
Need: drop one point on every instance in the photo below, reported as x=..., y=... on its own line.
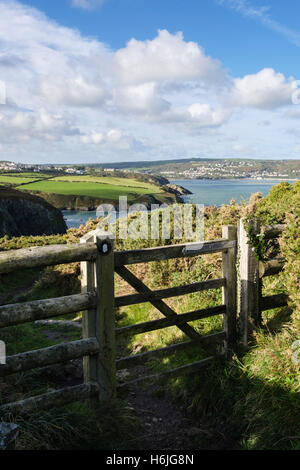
x=89, y=317
x=230, y=290
x=250, y=286
x=106, y=315
x=100, y=322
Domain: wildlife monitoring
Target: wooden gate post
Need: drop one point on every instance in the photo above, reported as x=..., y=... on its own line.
x=100, y=322
x=250, y=286
x=230, y=290
x=106, y=323
x=88, y=284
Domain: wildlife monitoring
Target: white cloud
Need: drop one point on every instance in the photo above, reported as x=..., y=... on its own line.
x=196, y=116
x=87, y=4
x=26, y=28
x=166, y=57
x=92, y=138
x=203, y=114
x=46, y=61
x=141, y=99
x=265, y=89
x=111, y=137
x=71, y=91
x=41, y=125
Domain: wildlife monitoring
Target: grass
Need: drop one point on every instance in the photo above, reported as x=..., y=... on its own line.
x=78, y=427
x=35, y=175
x=99, y=190
x=124, y=182
x=16, y=180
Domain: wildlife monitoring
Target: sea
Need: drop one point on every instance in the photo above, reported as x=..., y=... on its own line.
x=207, y=192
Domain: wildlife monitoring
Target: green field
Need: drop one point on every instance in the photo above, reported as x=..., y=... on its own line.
x=16, y=180
x=114, y=181
x=29, y=174
x=91, y=189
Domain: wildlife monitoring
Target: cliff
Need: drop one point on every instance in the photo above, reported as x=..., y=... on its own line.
x=26, y=214
x=177, y=189
x=88, y=203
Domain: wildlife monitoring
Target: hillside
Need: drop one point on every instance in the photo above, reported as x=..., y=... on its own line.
x=251, y=402
x=213, y=168
x=26, y=214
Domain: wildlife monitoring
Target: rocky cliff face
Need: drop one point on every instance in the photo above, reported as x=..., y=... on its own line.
x=25, y=214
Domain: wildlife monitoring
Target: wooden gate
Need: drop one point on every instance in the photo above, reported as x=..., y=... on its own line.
x=99, y=262
x=100, y=322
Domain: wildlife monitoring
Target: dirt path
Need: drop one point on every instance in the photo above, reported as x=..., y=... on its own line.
x=164, y=426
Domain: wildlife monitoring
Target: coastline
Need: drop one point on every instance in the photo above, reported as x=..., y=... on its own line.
x=234, y=179
x=207, y=192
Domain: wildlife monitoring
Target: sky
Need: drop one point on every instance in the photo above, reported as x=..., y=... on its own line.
x=92, y=81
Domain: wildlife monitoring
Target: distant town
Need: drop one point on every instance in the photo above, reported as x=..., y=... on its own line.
x=175, y=169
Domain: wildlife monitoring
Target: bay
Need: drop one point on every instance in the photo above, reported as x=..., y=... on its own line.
x=207, y=192
x=218, y=192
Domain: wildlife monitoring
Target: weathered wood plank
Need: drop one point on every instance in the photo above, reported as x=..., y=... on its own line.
x=52, y=355
x=230, y=289
x=39, y=256
x=172, y=251
x=273, y=301
x=105, y=321
x=51, y=400
x=249, y=283
x=139, y=286
x=89, y=317
x=135, y=360
x=189, y=368
x=13, y=314
x=166, y=322
x=272, y=231
x=169, y=292
x=271, y=267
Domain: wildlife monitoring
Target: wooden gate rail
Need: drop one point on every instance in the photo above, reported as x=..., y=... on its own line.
x=273, y=301
x=167, y=311
x=41, y=256
x=270, y=267
x=272, y=231
x=138, y=359
x=15, y=314
x=187, y=368
x=133, y=299
x=47, y=356
x=49, y=400
x=162, y=253
x=173, y=321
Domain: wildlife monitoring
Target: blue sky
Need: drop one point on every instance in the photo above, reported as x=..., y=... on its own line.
x=244, y=44
x=110, y=80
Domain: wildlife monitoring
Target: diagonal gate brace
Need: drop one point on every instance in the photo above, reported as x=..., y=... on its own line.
x=141, y=288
